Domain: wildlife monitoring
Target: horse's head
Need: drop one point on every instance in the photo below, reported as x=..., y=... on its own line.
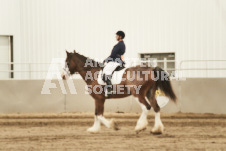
x=76, y=62
x=70, y=65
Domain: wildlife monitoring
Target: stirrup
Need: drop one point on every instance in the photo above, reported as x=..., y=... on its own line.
x=107, y=93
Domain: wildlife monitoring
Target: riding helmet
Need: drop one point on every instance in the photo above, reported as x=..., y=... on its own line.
x=121, y=33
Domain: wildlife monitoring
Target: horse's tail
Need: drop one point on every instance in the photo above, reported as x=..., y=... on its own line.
x=163, y=83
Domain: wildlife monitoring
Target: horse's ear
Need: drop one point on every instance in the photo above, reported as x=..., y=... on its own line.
x=74, y=51
x=66, y=52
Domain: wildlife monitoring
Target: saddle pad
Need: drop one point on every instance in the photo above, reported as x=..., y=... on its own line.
x=116, y=77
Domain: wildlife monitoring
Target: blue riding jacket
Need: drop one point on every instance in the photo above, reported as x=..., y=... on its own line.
x=118, y=50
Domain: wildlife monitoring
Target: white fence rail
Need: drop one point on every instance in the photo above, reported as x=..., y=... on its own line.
x=187, y=68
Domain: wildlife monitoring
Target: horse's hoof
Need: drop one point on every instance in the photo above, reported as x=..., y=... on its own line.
x=138, y=131
x=92, y=130
x=141, y=127
x=157, y=130
x=114, y=125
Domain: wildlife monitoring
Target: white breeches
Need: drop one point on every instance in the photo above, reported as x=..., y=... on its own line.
x=110, y=67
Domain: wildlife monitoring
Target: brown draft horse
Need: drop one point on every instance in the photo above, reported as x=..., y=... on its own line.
x=146, y=95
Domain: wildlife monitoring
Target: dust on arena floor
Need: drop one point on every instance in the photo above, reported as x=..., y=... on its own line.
x=67, y=131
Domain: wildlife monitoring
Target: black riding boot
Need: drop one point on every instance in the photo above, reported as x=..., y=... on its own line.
x=109, y=86
x=107, y=79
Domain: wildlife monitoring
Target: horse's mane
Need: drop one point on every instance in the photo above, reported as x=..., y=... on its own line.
x=84, y=58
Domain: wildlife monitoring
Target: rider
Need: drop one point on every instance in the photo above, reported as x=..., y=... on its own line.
x=114, y=60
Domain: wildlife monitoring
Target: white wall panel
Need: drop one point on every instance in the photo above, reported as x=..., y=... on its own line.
x=10, y=25
x=193, y=29
x=4, y=57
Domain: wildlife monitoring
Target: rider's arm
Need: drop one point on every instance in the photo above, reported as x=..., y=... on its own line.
x=115, y=51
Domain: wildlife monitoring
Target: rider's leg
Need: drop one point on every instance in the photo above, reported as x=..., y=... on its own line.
x=107, y=74
x=109, y=84
x=108, y=88
x=110, y=67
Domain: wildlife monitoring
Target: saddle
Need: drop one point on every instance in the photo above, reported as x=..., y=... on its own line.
x=116, y=76
x=119, y=68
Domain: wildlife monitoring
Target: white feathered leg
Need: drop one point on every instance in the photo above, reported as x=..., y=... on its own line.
x=158, y=127
x=107, y=123
x=96, y=126
x=142, y=121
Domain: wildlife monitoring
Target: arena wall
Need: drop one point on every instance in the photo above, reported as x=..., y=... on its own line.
x=42, y=30
x=196, y=95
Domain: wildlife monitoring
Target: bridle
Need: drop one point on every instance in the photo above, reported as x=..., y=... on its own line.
x=66, y=70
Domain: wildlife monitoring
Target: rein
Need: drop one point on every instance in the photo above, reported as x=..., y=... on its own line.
x=67, y=72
